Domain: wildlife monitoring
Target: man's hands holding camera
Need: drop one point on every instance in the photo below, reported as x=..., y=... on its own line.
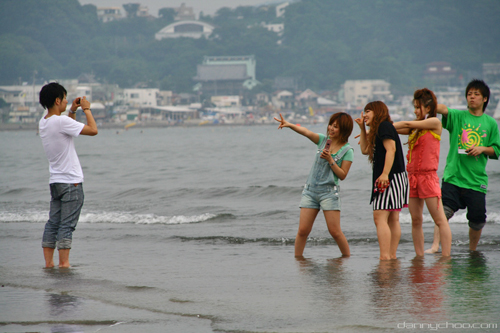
x=80, y=102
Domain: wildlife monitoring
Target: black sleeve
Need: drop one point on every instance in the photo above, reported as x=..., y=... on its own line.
x=386, y=131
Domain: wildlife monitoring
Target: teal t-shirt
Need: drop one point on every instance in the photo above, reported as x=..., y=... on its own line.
x=348, y=156
x=466, y=131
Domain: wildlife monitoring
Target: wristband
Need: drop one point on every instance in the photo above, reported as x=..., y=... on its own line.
x=71, y=111
x=86, y=109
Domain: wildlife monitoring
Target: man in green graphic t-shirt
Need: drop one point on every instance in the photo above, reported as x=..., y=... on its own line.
x=474, y=137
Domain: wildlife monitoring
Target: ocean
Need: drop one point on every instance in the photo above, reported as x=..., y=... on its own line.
x=191, y=229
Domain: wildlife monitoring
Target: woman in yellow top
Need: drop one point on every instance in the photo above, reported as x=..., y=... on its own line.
x=424, y=136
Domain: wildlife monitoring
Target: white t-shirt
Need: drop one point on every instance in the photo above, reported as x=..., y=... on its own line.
x=57, y=133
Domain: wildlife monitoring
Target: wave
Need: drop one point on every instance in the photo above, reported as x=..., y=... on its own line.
x=458, y=218
x=113, y=217
x=276, y=240
x=192, y=193
x=270, y=191
x=238, y=240
x=312, y=241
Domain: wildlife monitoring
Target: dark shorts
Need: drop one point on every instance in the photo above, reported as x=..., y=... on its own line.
x=456, y=198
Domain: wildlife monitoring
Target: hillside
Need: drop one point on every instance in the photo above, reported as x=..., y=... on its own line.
x=324, y=43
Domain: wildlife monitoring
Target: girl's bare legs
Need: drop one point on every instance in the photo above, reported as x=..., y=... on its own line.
x=388, y=233
x=395, y=233
x=306, y=221
x=416, y=207
x=332, y=218
x=435, y=207
x=435, y=243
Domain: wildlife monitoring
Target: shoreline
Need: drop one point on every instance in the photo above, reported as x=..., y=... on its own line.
x=189, y=123
x=122, y=126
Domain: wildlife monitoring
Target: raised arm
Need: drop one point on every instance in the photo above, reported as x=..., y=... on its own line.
x=363, y=140
x=91, y=127
x=314, y=137
x=442, y=109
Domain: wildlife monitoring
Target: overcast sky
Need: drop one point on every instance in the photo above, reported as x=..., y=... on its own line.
x=208, y=7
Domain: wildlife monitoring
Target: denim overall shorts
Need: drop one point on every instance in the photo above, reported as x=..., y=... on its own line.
x=322, y=190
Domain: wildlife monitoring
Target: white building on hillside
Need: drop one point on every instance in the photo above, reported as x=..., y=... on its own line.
x=360, y=92
x=226, y=101
x=278, y=28
x=190, y=29
x=141, y=97
x=452, y=99
x=280, y=9
x=107, y=14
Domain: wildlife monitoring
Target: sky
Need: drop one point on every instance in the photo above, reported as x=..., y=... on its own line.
x=208, y=7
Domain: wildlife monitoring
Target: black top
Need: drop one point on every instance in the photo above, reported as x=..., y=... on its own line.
x=386, y=131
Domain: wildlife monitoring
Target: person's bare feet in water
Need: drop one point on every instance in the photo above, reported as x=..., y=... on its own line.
x=432, y=250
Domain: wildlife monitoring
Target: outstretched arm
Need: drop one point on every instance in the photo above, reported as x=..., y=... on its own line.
x=432, y=124
x=402, y=128
x=314, y=137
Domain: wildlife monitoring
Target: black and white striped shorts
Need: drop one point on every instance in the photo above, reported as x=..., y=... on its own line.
x=395, y=196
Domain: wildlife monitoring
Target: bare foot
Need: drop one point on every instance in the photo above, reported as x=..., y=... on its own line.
x=432, y=250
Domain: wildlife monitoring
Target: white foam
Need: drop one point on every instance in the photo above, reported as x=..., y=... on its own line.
x=23, y=217
x=107, y=217
x=458, y=218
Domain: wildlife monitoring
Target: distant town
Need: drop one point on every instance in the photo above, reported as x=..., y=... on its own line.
x=224, y=90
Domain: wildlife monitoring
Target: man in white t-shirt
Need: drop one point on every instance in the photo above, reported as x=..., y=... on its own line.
x=66, y=176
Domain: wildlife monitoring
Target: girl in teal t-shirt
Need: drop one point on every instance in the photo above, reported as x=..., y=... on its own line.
x=333, y=161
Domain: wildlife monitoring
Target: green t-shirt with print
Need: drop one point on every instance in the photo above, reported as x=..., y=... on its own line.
x=466, y=131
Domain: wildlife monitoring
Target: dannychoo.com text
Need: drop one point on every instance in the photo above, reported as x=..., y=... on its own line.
x=446, y=325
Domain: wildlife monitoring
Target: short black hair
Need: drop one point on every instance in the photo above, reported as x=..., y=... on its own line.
x=50, y=92
x=482, y=87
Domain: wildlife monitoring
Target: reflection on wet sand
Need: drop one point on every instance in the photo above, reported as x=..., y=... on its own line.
x=331, y=278
x=386, y=292
x=471, y=284
x=426, y=287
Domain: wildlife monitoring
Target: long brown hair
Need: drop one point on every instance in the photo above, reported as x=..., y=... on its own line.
x=423, y=98
x=380, y=114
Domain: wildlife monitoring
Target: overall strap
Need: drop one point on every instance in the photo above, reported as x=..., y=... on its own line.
x=342, y=152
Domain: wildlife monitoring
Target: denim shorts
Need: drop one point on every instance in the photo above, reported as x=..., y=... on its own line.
x=456, y=198
x=320, y=197
x=65, y=206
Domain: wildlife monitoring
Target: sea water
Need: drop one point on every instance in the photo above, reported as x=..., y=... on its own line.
x=191, y=229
